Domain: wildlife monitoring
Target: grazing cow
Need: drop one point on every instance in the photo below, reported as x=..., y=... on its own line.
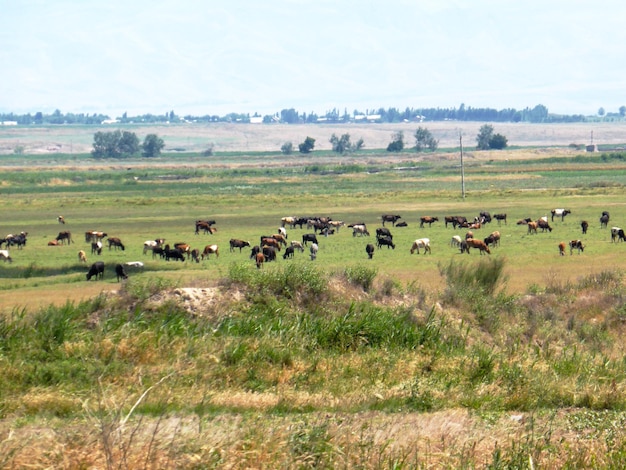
x=390, y=218
x=543, y=225
x=584, y=225
x=428, y=220
x=82, y=257
x=184, y=248
x=269, y=252
x=173, y=253
x=236, y=243
x=206, y=226
x=254, y=250
x=421, y=243
x=360, y=230
x=576, y=245
x=383, y=232
x=270, y=241
x=562, y=248
x=283, y=232
x=158, y=251
x=314, y=248
x=259, y=259
x=469, y=234
x=455, y=241
x=560, y=213
x=289, y=251
x=5, y=256
x=96, y=248
x=297, y=245
x=500, y=218
x=532, y=227
x=308, y=237
x=94, y=236
x=210, y=249
x=97, y=270
x=617, y=234
x=61, y=219
x=63, y=236
x=116, y=242
x=195, y=255
x=369, y=249
x=280, y=239
x=385, y=241
x=493, y=239
x=480, y=245
x=604, y=219
x=120, y=273
x=150, y=245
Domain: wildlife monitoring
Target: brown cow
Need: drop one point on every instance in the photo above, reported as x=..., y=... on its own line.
x=259, y=259
x=270, y=241
x=209, y=249
x=562, y=248
x=493, y=239
x=478, y=244
x=532, y=227
x=62, y=236
x=428, y=220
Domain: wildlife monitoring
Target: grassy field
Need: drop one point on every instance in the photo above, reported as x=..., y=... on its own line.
x=445, y=360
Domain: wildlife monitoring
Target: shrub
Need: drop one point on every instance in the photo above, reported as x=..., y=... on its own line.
x=361, y=276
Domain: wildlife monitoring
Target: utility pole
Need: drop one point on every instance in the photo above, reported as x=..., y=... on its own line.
x=462, y=167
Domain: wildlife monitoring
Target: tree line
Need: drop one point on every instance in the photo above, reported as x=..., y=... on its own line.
x=536, y=114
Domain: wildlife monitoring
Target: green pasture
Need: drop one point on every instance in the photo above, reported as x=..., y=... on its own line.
x=142, y=203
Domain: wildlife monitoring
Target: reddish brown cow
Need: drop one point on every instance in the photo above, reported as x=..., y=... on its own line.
x=270, y=241
x=562, y=248
x=428, y=220
x=478, y=244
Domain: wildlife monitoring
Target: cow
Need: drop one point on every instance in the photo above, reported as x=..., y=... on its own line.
x=53, y=243
x=314, y=248
x=360, y=230
x=402, y=224
x=500, y=218
x=524, y=221
x=289, y=251
x=116, y=242
x=584, y=225
x=270, y=241
x=532, y=227
x=134, y=264
x=385, y=241
x=562, y=248
x=308, y=237
x=96, y=248
x=150, y=245
x=421, y=243
x=560, y=213
x=269, y=252
x=427, y=219
x=484, y=217
x=195, y=255
x=61, y=220
x=455, y=220
x=576, y=245
x=210, y=249
x=254, y=250
x=184, y=248
x=480, y=245
x=336, y=224
x=173, y=254
x=617, y=234
x=455, y=241
x=18, y=240
x=236, y=243
x=297, y=245
x=97, y=270
x=259, y=259
x=283, y=232
x=493, y=239
x=63, y=236
x=369, y=249
x=604, y=219
x=543, y=225
x=5, y=256
x=82, y=257
x=94, y=236
x=120, y=273
x=383, y=232
x=206, y=226
x=289, y=220
x=280, y=238
x=390, y=218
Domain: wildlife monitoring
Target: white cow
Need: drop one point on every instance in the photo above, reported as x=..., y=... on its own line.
x=421, y=243
x=5, y=256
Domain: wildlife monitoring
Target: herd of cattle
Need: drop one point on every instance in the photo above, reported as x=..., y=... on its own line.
x=270, y=245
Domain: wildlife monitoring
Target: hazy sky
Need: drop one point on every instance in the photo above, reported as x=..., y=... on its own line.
x=214, y=57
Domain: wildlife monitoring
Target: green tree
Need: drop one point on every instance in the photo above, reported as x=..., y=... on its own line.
x=622, y=111
x=287, y=148
x=152, y=146
x=397, y=142
x=498, y=142
x=423, y=139
x=485, y=134
x=601, y=111
x=115, y=144
x=307, y=146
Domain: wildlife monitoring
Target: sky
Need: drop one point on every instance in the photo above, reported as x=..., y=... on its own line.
x=211, y=57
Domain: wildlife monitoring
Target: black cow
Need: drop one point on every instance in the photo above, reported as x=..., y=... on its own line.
x=383, y=232
x=604, y=219
x=576, y=245
x=174, y=254
x=500, y=217
x=584, y=225
x=309, y=237
x=256, y=249
x=385, y=241
x=390, y=218
x=288, y=252
x=270, y=253
x=96, y=269
x=369, y=249
x=120, y=273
